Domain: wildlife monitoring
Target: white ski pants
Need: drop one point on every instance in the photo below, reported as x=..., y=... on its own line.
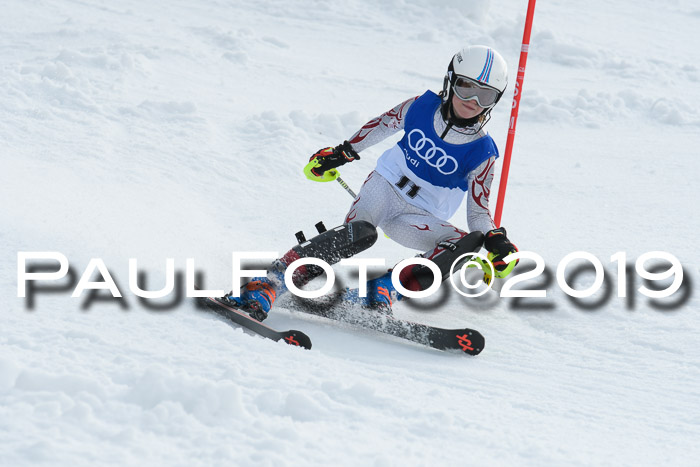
x=379, y=204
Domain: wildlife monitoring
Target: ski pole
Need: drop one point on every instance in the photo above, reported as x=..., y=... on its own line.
x=343, y=184
x=327, y=176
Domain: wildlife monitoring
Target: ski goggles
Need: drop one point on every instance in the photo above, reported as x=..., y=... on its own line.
x=467, y=89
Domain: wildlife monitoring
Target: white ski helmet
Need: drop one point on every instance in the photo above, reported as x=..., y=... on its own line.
x=476, y=73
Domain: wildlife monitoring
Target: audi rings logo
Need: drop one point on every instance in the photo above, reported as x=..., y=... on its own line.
x=432, y=151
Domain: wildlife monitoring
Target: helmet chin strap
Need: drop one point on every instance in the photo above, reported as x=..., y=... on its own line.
x=463, y=122
x=452, y=120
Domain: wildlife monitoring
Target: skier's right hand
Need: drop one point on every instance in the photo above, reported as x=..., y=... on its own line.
x=328, y=159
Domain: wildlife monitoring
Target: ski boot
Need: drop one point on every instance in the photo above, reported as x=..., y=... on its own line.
x=381, y=295
x=256, y=298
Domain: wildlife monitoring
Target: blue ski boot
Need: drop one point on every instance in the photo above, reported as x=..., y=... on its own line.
x=381, y=295
x=256, y=298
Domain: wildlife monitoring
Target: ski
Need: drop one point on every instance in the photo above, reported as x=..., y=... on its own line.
x=244, y=320
x=465, y=340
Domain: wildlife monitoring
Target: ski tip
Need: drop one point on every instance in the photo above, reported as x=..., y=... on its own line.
x=470, y=341
x=297, y=338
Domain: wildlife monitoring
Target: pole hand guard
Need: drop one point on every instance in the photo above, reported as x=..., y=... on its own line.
x=489, y=270
x=328, y=175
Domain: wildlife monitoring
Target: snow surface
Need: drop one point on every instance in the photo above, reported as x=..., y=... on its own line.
x=179, y=129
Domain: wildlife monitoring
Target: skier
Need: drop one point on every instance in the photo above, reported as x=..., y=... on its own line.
x=417, y=184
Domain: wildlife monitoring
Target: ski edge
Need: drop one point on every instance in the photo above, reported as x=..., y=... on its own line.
x=466, y=340
x=241, y=318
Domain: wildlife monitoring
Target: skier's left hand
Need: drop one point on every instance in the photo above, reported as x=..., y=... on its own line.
x=497, y=243
x=327, y=159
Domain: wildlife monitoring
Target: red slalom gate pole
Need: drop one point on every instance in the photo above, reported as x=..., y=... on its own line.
x=514, y=113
